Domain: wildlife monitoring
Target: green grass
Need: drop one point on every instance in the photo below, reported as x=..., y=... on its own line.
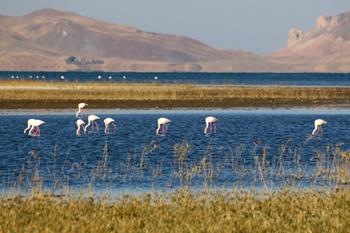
x=29, y=94
x=302, y=211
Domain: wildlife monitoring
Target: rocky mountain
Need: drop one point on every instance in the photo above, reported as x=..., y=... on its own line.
x=42, y=40
x=325, y=48
x=49, y=40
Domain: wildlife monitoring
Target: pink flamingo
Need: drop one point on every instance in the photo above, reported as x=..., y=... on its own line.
x=107, y=122
x=80, y=124
x=30, y=122
x=318, y=126
x=210, y=124
x=162, y=125
x=35, y=128
x=80, y=109
x=91, y=121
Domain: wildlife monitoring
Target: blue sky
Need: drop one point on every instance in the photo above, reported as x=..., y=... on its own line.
x=259, y=26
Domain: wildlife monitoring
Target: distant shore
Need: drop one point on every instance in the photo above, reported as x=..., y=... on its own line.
x=56, y=95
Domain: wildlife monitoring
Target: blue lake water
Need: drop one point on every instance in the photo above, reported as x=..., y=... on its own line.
x=136, y=158
x=297, y=79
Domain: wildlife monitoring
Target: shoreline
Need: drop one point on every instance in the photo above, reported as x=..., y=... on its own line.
x=331, y=110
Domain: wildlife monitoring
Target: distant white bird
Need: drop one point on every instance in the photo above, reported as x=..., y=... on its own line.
x=80, y=124
x=91, y=121
x=210, y=124
x=62, y=77
x=110, y=77
x=99, y=77
x=12, y=76
x=162, y=125
x=80, y=109
x=109, y=121
x=155, y=77
x=35, y=128
x=318, y=126
x=30, y=76
x=124, y=77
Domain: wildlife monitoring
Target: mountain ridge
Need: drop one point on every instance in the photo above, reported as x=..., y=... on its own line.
x=44, y=39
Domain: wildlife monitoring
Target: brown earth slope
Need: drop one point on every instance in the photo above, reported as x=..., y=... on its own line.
x=43, y=39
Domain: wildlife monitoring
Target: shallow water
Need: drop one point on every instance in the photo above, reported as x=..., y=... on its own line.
x=295, y=79
x=135, y=158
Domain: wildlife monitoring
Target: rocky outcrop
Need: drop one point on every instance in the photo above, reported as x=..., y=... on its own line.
x=324, y=48
x=329, y=23
x=295, y=35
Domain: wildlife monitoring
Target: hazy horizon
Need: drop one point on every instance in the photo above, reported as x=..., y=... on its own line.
x=250, y=25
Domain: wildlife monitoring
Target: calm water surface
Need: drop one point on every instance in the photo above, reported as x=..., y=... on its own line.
x=135, y=158
x=296, y=79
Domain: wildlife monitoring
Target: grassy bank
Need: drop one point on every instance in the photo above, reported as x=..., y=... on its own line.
x=29, y=94
x=303, y=211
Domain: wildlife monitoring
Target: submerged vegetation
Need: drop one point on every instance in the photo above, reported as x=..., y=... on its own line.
x=32, y=94
x=30, y=206
x=240, y=167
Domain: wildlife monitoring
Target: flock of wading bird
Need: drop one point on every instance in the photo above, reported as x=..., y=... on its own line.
x=210, y=124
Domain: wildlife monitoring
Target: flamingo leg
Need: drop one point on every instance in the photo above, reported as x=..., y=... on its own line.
x=206, y=128
x=164, y=129
x=318, y=130
x=97, y=129
x=114, y=128
x=158, y=128
x=210, y=128
x=27, y=128
x=31, y=131
x=214, y=126
x=321, y=130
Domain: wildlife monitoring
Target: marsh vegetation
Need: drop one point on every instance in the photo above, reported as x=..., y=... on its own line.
x=182, y=211
x=218, y=192
x=31, y=94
